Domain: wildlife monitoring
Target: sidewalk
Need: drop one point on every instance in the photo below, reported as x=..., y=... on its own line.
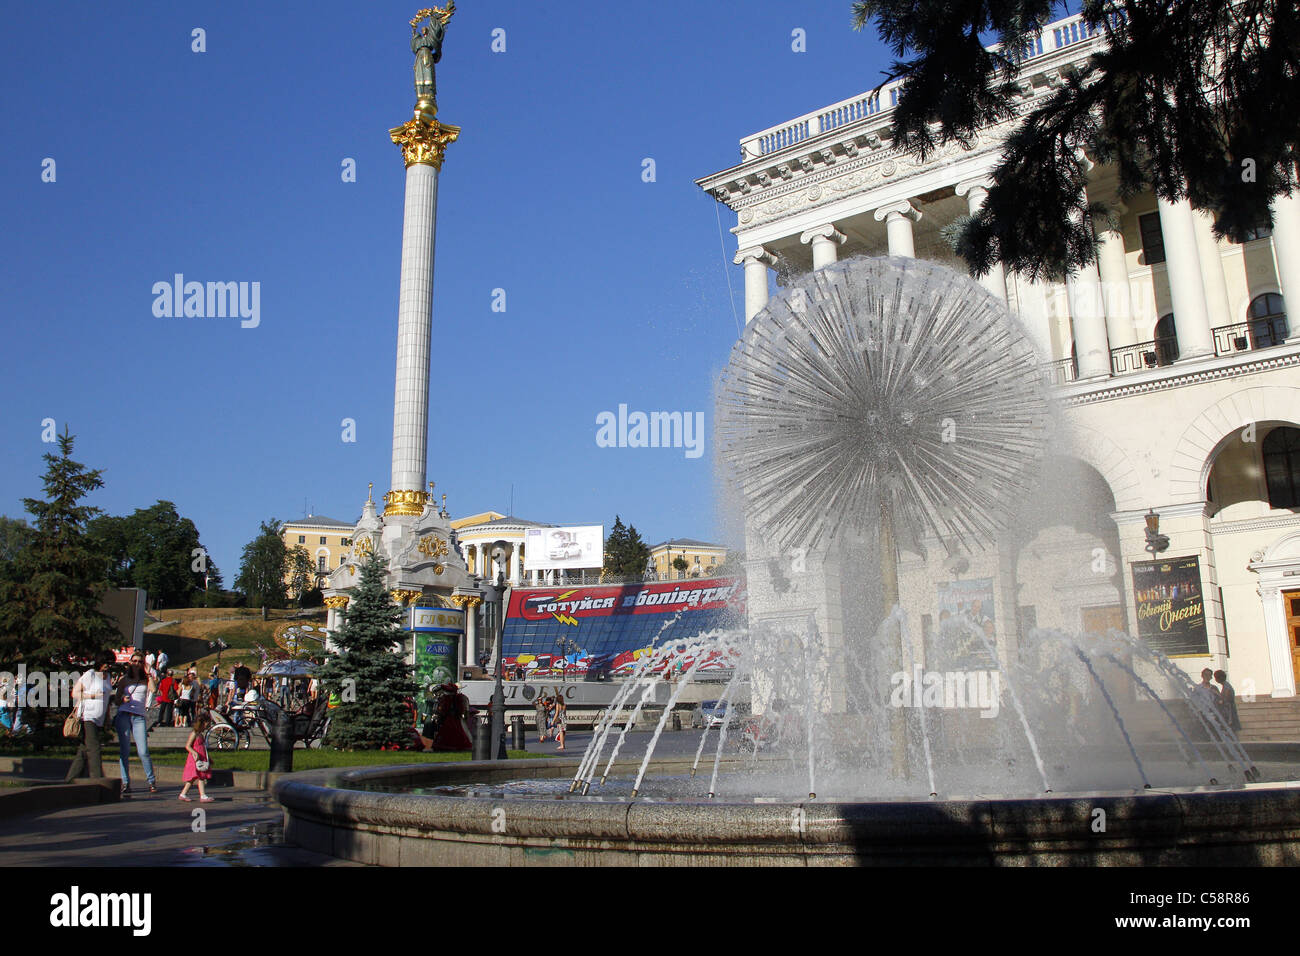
x=240, y=828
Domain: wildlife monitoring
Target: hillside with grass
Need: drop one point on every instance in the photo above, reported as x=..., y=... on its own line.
x=191, y=634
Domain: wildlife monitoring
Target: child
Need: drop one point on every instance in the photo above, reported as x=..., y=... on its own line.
x=198, y=753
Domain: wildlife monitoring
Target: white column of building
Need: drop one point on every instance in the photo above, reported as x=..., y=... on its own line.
x=1088, y=322
x=825, y=241
x=1186, y=287
x=514, y=565
x=898, y=218
x=1286, y=249
x=1117, y=295
x=757, y=261
x=414, y=330
x=1211, y=262
x=976, y=191
x=471, y=632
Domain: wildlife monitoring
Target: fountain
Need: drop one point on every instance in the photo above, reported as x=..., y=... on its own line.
x=885, y=426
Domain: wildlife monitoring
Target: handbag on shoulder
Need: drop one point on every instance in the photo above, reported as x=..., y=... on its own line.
x=72, y=725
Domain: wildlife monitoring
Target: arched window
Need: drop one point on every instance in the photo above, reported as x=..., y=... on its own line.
x=1282, y=467
x=320, y=563
x=1267, y=317
x=1166, y=341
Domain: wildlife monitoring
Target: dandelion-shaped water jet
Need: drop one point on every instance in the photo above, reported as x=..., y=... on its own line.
x=882, y=394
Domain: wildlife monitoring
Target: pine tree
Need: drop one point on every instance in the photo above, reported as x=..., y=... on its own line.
x=1186, y=99
x=368, y=675
x=615, y=546
x=625, y=553
x=49, y=602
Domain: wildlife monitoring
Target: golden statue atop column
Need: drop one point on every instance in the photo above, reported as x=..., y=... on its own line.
x=423, y=139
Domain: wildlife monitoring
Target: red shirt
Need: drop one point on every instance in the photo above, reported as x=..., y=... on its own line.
x=165, y=688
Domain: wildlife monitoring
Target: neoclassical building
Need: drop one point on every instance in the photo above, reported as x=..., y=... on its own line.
x=327, y=540
x=1173, y=357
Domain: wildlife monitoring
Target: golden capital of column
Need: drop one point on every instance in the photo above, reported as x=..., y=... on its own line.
x=404, y=596
x=337, y=602
x=405, y=502
x=423, y=139
x=469, y=601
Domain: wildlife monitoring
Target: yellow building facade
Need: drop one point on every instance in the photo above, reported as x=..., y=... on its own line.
x=326, y=540
x=701, y=558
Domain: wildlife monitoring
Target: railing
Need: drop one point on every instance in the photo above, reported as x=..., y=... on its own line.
x=1055, y=36
x=1143, y=355
x=1261, y=333
x=1062, y=371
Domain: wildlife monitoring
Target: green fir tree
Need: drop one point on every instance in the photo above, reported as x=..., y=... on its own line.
x=50, y=596
x=626, y=554
x=367, y=675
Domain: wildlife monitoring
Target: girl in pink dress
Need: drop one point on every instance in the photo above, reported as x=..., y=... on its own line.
x=198, y=755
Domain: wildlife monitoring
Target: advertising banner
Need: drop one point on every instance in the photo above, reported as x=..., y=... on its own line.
x=547, y=549
x=1170, y=609
x=437, y=632
x=603, y=631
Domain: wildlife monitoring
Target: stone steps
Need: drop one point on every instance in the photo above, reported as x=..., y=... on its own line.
x=1265, y=720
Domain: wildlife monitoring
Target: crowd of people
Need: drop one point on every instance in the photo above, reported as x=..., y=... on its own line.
x=148, y=694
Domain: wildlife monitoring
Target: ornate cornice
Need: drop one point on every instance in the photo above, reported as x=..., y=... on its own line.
x=337, y=602
x=831, y=184
x=1117, y=388
x=405, y=502
x=466, y=601
x=1266, y=523
x=423, y=139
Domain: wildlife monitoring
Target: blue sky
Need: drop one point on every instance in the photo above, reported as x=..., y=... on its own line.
x=225, y=166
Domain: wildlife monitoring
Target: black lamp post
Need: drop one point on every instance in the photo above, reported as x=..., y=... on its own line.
x=501, y=551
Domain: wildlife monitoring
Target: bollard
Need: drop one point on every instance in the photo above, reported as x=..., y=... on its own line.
x=677, y=721
x=517, y=725
x=281, y=742
x=482, y=739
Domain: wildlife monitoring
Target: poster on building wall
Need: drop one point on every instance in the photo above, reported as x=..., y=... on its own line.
x=547, y=549
x=1170, y=608
x=963, y=622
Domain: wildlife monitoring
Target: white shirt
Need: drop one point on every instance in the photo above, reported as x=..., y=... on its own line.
x=95, y=692
x=135, y=699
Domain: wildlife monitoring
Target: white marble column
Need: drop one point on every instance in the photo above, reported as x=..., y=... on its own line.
x=471, y=634
x=1186, y=287
x=1117, y=295
x=414, y=330
x=1286, y=250
x=976, y=191
x=898, y=218
x=757, y=261
x=1088, y=322
x=825, y=241
x=1211, y=262
x=513, y=574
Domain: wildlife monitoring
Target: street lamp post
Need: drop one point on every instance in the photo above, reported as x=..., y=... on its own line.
x=501, y=551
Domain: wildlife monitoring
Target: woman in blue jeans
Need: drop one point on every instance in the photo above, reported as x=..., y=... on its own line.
x=134, y=691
